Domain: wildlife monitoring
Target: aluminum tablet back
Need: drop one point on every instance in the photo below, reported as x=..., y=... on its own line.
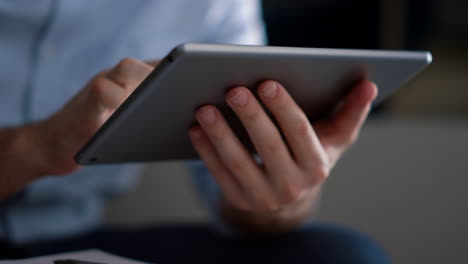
x=152, y=124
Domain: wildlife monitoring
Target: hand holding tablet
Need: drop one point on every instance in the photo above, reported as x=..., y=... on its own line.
x=298, y=109
x=293, y=166
x=152, y=124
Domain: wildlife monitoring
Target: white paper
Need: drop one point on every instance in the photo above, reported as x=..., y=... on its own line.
x=93, y=255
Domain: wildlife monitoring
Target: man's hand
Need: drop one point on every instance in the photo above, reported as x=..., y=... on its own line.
x=48, y=147
x=277, y=194
x=64, y=133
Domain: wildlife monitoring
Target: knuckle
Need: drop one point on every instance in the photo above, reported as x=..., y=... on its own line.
x=268, y=205
x=291, y=192
x=98, y=87
x=253, y=114
x=302, y=127
x=236, y=164
x=320, y=173
x=126, y=63
x=263, y=202
x=273, y=147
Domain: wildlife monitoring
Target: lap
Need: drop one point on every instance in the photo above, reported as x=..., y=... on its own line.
x=317, y=243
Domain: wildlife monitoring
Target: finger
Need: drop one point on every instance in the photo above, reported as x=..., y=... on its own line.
x=129, y=73
x=267, y=141
x=343, y=128
x=304, y=143
x=228, y=184
x=153, y=63
x=235, y=157
x=87, y=111
x=105, y=94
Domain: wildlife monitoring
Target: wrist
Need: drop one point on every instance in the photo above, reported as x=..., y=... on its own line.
x=49, y=149
x=20, y=160
x=26, y=146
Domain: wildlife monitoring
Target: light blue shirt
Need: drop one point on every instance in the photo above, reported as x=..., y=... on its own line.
x=49, y=49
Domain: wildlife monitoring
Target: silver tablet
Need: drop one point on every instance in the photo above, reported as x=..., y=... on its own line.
x=152, y=124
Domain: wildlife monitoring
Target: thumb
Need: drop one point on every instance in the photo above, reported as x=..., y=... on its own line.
x=85, y=113
x=342, y=129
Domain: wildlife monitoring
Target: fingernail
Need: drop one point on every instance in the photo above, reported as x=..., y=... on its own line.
x=270, y=90
x=238, y=98
x=207, y=116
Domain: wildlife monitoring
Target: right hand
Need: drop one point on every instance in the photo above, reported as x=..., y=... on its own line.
x=59, y=137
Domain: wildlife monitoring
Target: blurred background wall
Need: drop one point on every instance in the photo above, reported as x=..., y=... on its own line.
x=405, y=181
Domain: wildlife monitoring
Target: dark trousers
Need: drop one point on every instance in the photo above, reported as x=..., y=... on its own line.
x=319, y=243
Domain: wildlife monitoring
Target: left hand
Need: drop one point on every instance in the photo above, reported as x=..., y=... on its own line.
x=286, y=175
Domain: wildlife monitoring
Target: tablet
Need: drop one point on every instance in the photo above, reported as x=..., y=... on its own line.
x=152, y=124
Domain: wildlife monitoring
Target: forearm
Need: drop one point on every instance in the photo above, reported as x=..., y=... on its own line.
x=264, y=224
x=20, y=160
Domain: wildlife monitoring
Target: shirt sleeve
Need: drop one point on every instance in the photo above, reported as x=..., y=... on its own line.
x=230, y=22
